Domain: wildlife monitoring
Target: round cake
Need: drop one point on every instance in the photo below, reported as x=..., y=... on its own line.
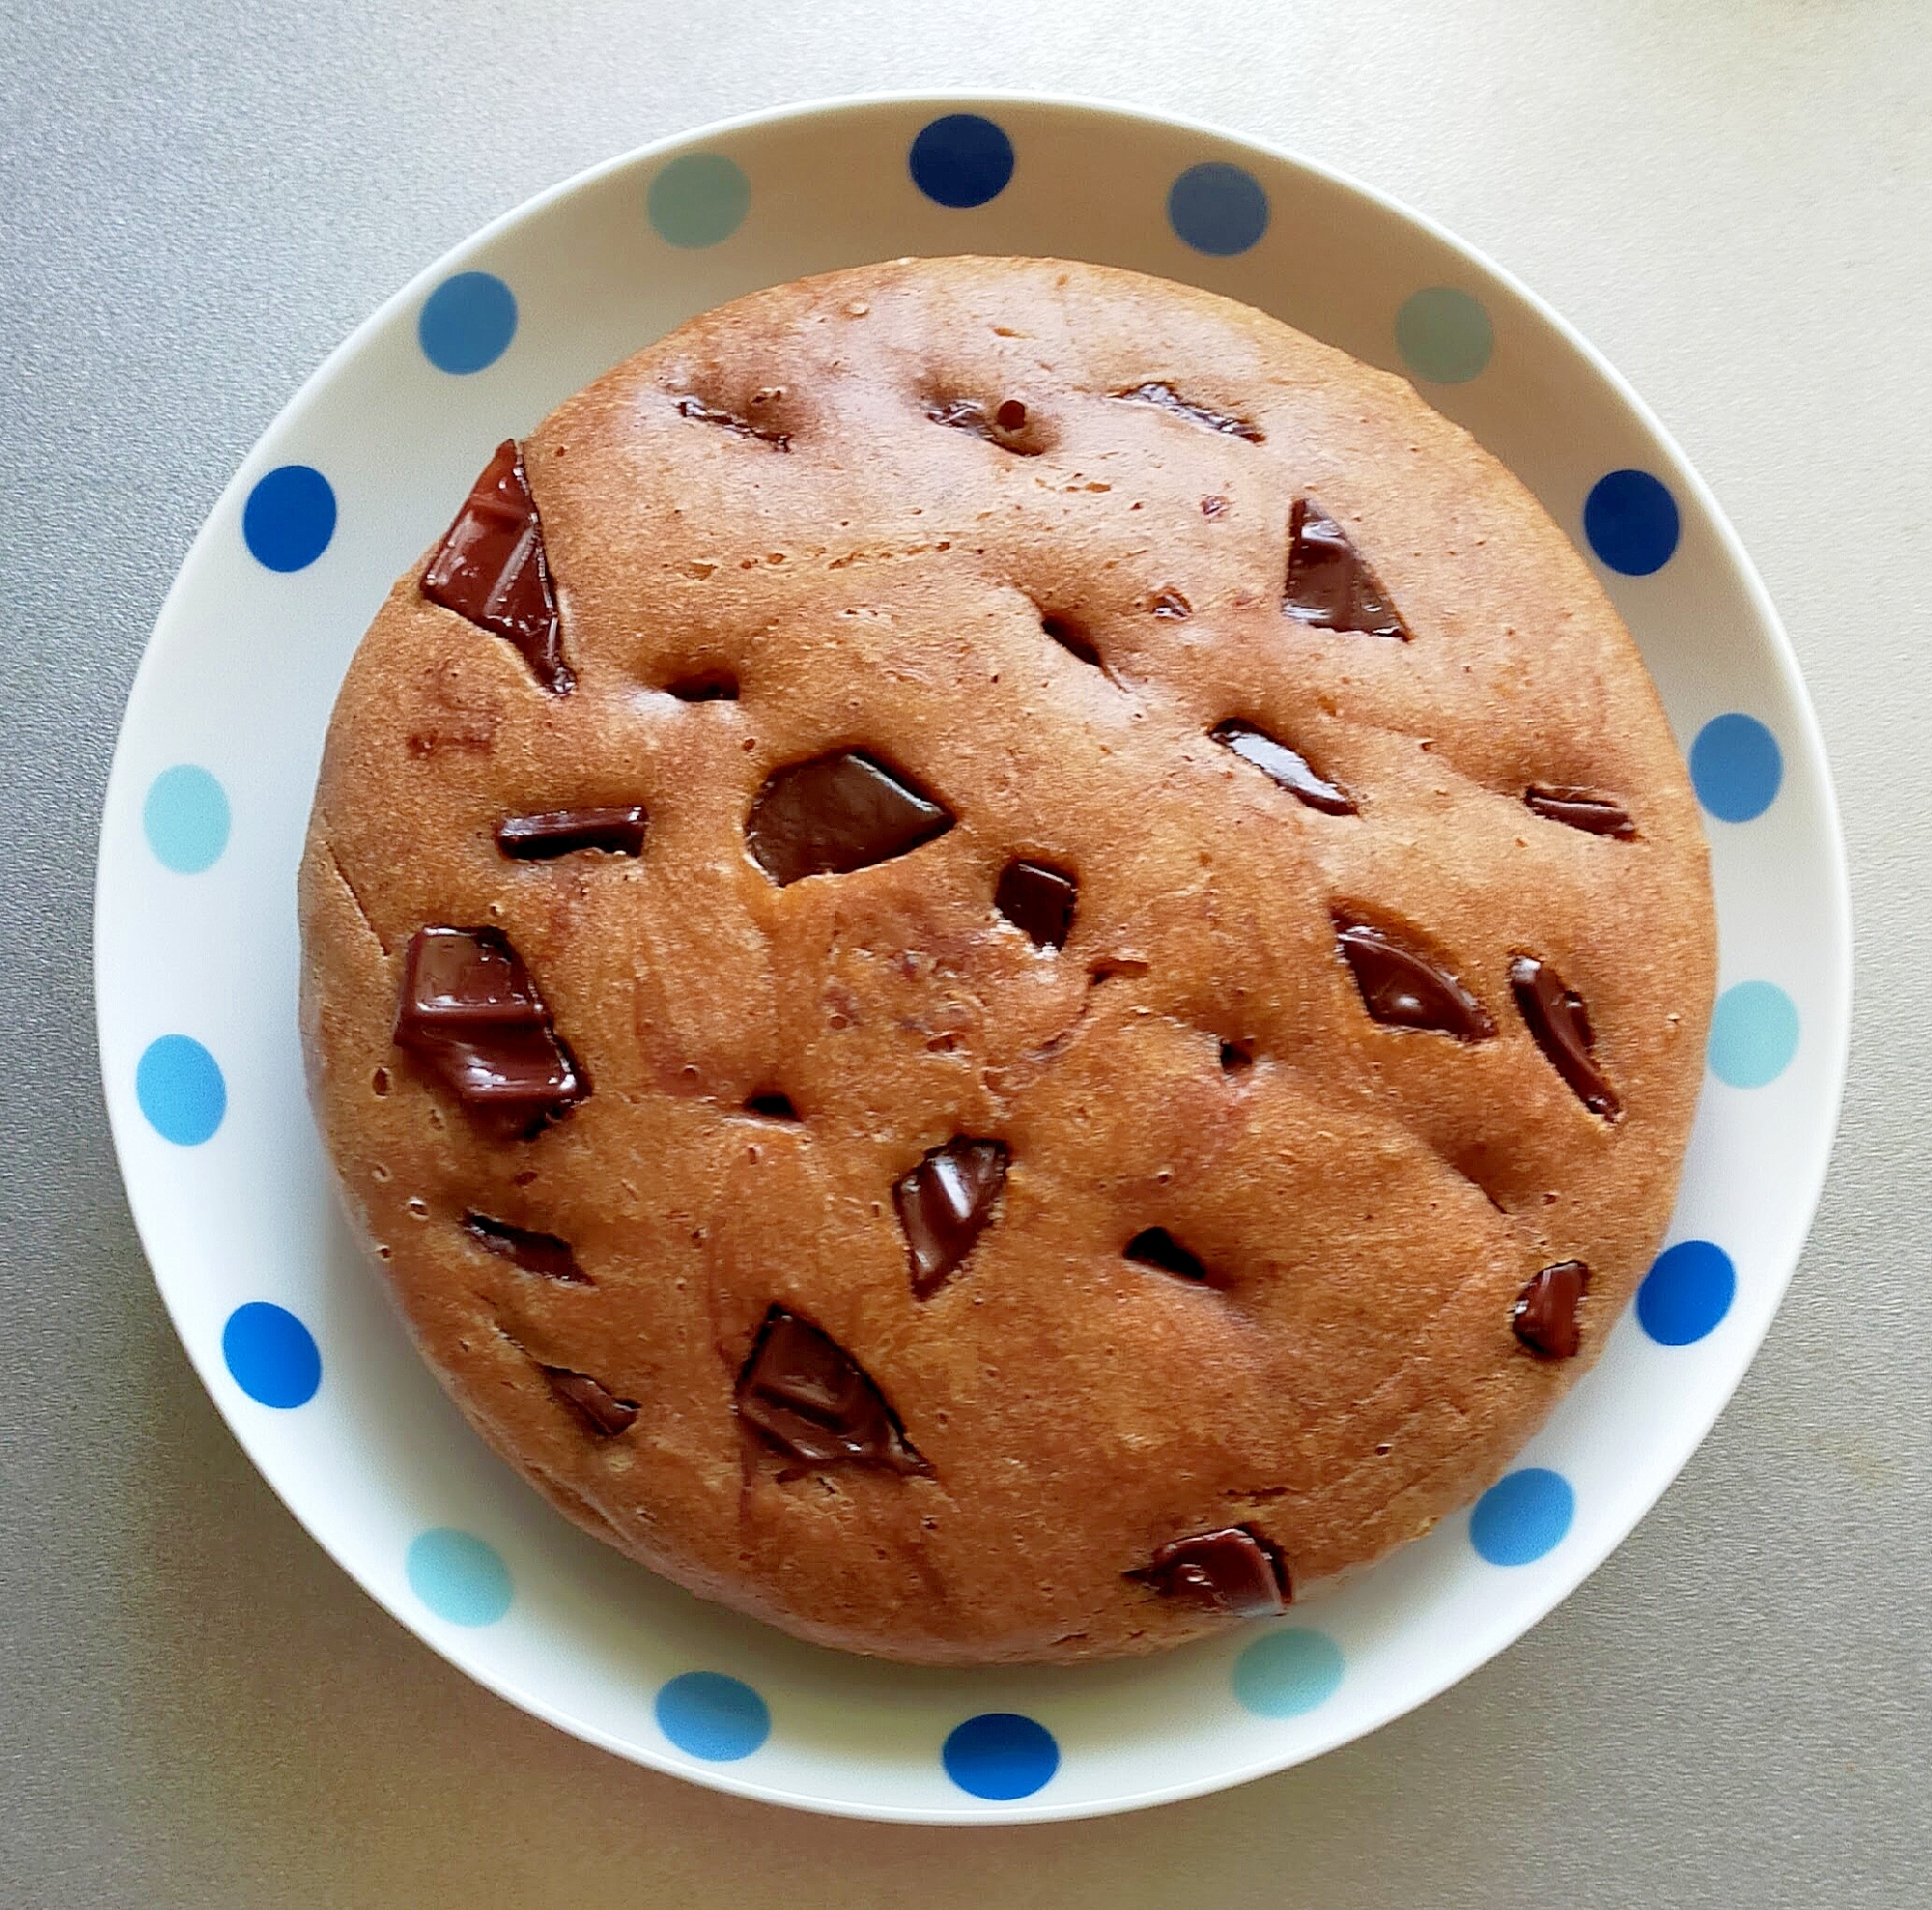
x=1004, y=961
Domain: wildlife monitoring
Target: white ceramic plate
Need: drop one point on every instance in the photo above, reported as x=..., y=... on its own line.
x=197, y=951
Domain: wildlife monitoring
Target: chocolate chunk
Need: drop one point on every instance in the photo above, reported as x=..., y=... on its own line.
x=944, y=1204
x=1407, y=990
x=471, y=1012
x=727, y=421
x=491, y=569
x=1011, y=416
x=1165, y=397
x=1156, y=1247
x=810, y=1399
x=706, y=686
x=535, y=1253
x=1172, y=605
x=1556, y=1016
x=605, y=1412
x=1069, y=635
x=773, y=1107
x=565, y=831
x=1544, y=1314
x=1329, y=585
x=999, y=427
x=1213, y=506
x=1232, y=1571
x=1038, y=899
x=1587, y=809
x=1291, y=770
x=835, y=814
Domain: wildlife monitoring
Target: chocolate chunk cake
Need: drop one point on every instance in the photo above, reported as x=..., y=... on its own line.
x=1004, y=961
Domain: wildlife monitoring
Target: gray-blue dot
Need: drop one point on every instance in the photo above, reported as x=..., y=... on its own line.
x=699, y=200
x=1444, y=335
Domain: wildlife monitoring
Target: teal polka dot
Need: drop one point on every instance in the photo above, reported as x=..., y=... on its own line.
x=712, y=1717
x=185, y=816
x=179, y=1085
x=1443, y=335
x=1287, y=1673
x=699, y=200
x=458, y=1577
x=1753, y=1034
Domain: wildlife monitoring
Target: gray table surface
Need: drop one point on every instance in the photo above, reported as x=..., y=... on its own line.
x=196, y=202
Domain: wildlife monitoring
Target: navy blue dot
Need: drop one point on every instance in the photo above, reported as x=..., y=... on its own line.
x=1001, y=1756
x=1735, y=767
x=1632, y=522
x=1522, y=1516
x=289, y=518
x=272, y=1355
x=1217, y=209
x=1687, y=1290
x=961, y=160
x=712, y=1717
x=467, y=322
x=180, y=1088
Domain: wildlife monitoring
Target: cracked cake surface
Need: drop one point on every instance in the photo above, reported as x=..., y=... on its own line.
x=1003, y=961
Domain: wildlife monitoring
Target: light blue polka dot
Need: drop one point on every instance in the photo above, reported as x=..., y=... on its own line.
x=467, y=322
x=1001, y=1756
x=1217, y=209
x=1632, y=522
x=1687, y=1290
x=1753, y=1034
x=712, y=1717
x=1735, y=767
x=1288, y=1672
x=699, y=200
x=458, y=1577
x=1443, y=335
x=181, y=1091
x=961, y=160
x=273, y=1356
x=185, y=816
x=1524, y=1516
x=289, y=518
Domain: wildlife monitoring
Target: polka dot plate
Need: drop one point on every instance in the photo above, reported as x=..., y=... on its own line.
x=196, y=952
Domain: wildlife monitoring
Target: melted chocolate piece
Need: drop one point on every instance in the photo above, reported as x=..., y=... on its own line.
x=1163, y=397
x=1156, y=1247
x=541, y=1254
x=968, y=415
x=773, y=1107
x=836, y=814
x=1329, y=585
x=1291, y=771
x=565, y=831
x=491, y=569
x=1544, y=1314
x=1039, y=900
x=1556, y=1016
x=944, y=1203
x=1173, y=604
x=1069, y=635
x=605, y=1413
x=1232, y=1571
x=471, y=1012
x=728, y=420
x=1011, y=416
x=809, y=1398
x=1213, y=506
x=1587, y=809
x=707, y=686
x=1405, y=990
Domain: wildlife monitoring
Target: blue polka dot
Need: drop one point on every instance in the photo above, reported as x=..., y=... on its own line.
x=1217, y=209
x=1443, y=335
x=1735, y=767
x=1001, y=1756
x=1287, y=1673
x=181, y=1091
x=699, y=200
x=272, y=1355
x=713, y=1717
x=961, y=160
x=1632, y=522
x=1522, y=1516
x=289, y=518
x=1753, y=1034
x=467, y=322
x=458, y=1577
x=185, y=816
x=1687, y=1290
